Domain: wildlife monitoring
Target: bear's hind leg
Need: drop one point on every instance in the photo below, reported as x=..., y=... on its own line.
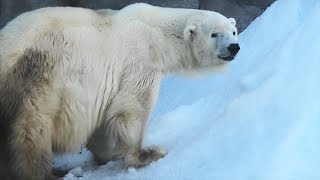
x=30, y=147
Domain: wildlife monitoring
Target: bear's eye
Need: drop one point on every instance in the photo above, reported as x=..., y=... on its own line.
x=213, y=35
x=234, y=33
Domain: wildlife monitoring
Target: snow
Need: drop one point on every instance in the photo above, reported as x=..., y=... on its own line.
x=260, y=120
x=78, y=172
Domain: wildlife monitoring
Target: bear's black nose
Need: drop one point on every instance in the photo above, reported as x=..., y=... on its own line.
x=234, y=49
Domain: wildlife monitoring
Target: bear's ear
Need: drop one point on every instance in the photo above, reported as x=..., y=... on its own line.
x=232, y=21
x=189, y=32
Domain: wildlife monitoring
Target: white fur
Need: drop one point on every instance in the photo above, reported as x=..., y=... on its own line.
x=232, y=21
x=110, y=63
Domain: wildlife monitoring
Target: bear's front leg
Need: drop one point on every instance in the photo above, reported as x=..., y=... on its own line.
x=126, y=123
x=143, y=156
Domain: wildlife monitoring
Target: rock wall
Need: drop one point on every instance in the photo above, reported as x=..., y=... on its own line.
x=244, y=11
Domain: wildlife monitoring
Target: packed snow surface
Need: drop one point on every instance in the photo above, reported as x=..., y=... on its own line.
x=258, y=121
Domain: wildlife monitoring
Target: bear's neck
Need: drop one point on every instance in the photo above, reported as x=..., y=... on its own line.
x=177, y=55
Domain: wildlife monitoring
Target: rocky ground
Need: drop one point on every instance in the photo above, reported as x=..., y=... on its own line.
x=245, y=11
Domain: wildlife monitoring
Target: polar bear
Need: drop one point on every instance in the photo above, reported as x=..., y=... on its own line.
x=74, y=76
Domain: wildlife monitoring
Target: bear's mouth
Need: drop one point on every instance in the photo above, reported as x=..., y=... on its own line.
x=226, y=58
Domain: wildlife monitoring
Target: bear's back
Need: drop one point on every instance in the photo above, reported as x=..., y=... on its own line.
x=22, y=32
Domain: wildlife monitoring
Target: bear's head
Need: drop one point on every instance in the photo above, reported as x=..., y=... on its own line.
x=212, y=38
